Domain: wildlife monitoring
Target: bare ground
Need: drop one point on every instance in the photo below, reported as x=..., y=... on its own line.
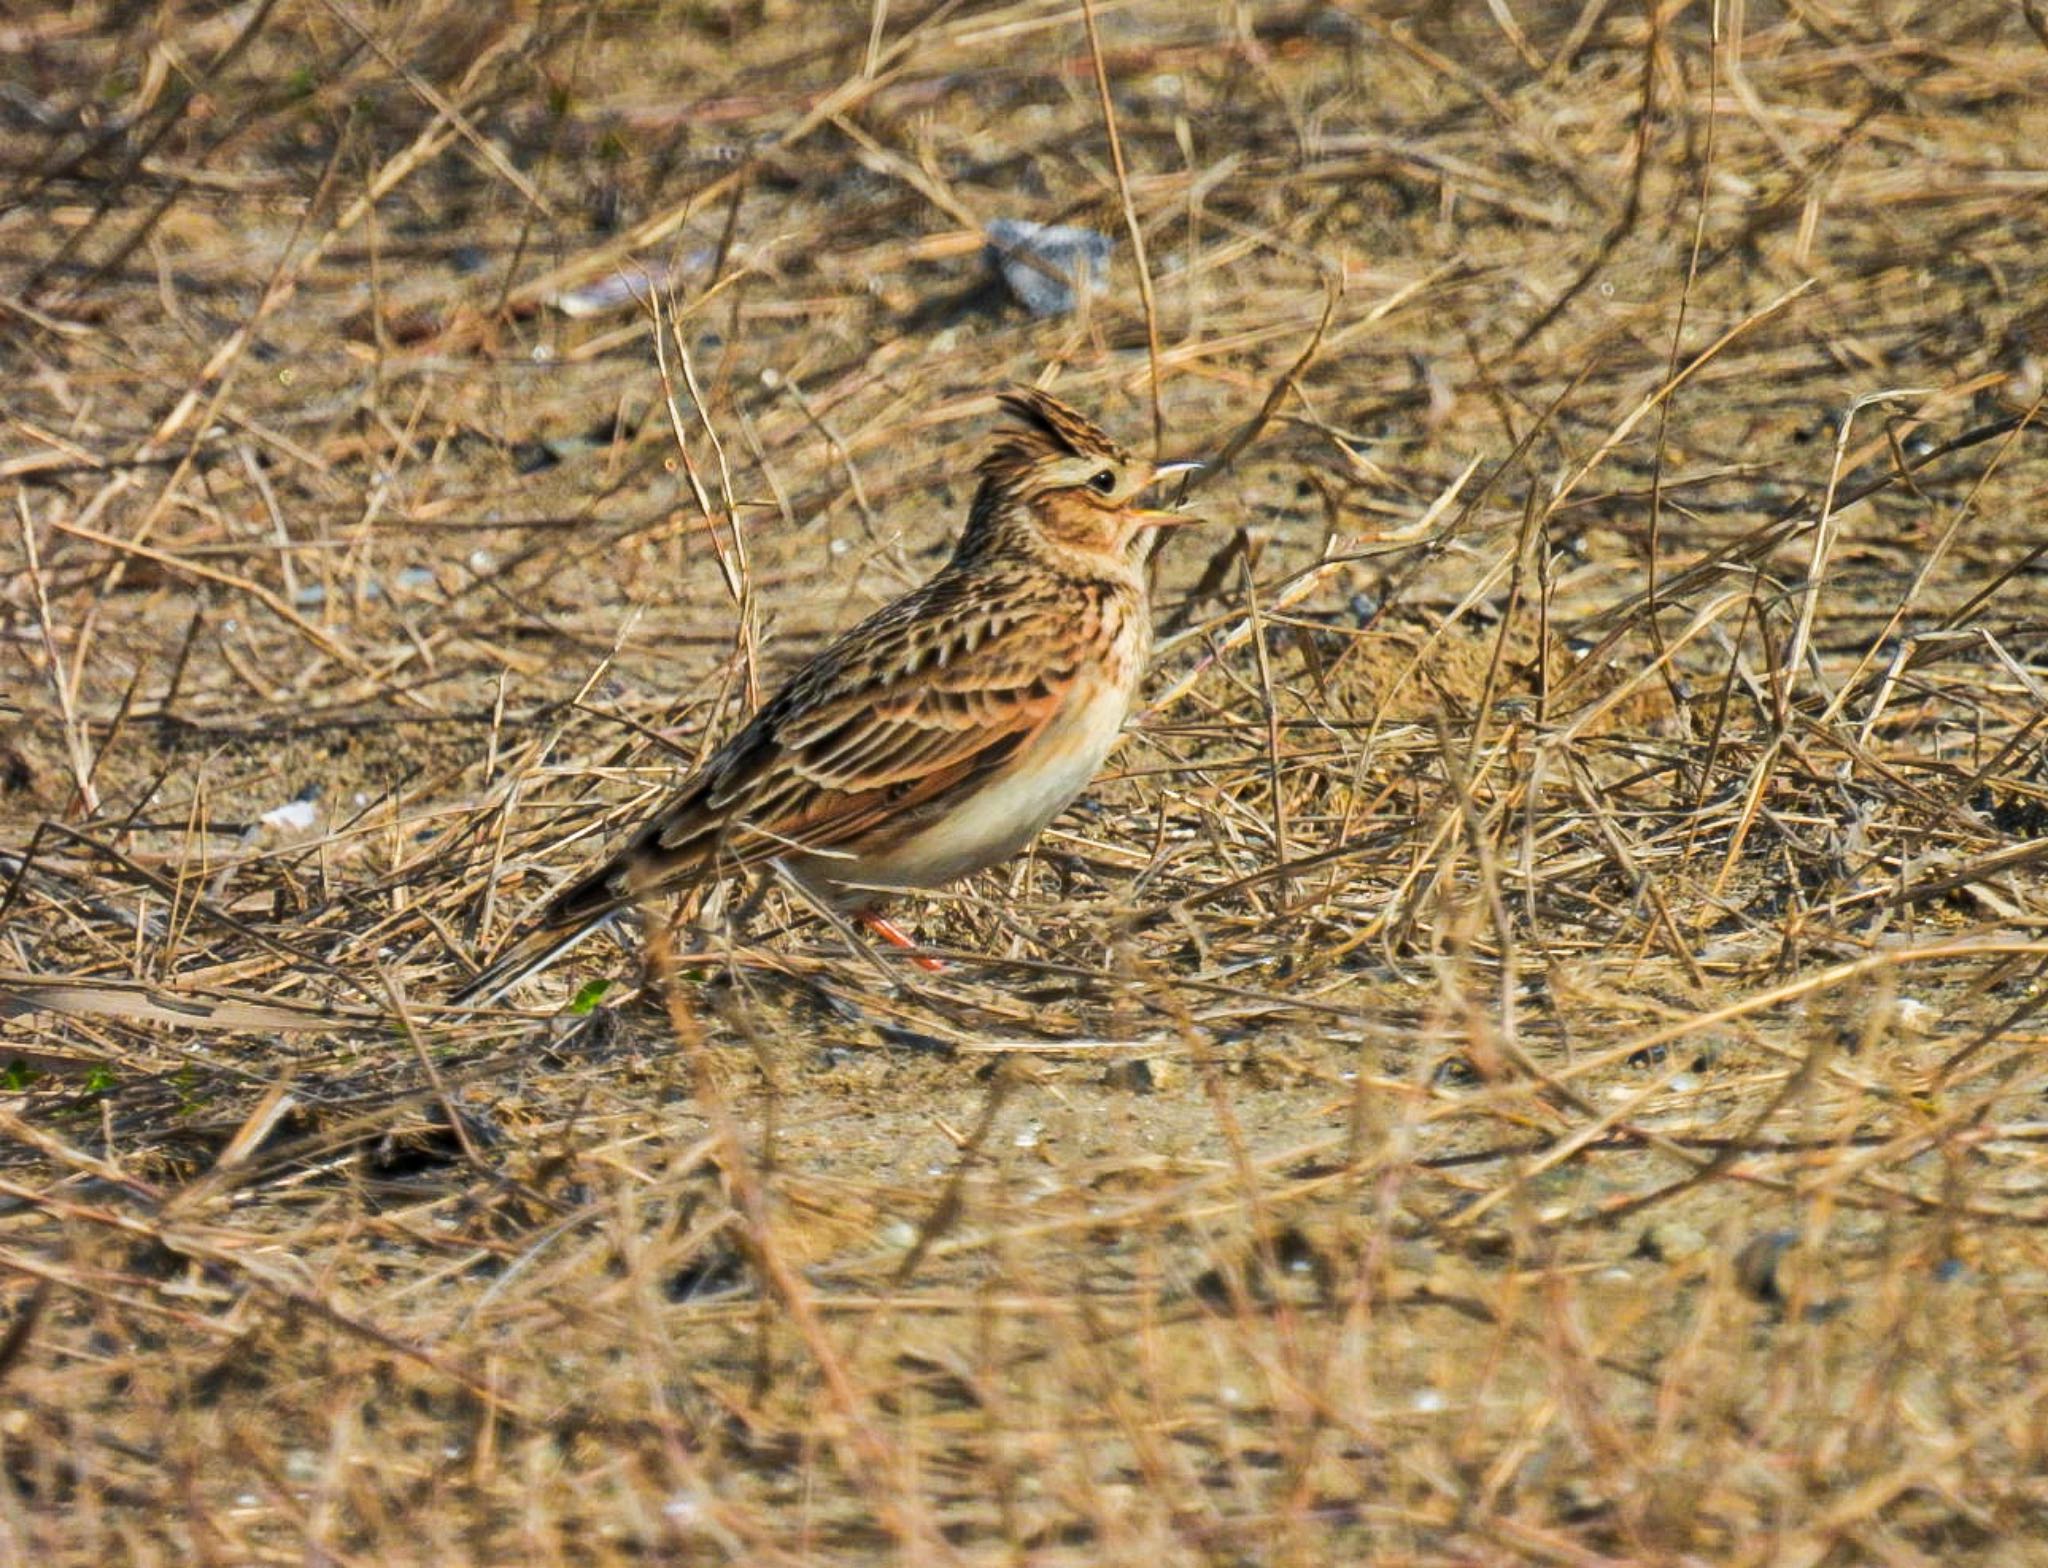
x=1531, y=1052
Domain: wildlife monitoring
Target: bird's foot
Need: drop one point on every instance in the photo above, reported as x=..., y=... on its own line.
x=895, y=936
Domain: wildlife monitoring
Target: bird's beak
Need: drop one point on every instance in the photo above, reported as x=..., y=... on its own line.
x=1157, y=519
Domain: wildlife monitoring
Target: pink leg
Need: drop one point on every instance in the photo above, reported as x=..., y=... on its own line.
x=893, y=934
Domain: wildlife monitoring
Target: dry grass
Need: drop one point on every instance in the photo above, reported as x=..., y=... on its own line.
x=1532, y=1054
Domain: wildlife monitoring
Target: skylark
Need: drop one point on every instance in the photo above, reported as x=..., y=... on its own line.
x=939, y=735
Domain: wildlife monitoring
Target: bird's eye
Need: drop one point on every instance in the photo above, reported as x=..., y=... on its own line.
x=1103, y=482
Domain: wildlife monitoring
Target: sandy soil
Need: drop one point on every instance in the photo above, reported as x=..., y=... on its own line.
x=1529, y=1053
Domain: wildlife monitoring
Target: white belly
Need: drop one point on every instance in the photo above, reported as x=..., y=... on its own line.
x=1007, y=810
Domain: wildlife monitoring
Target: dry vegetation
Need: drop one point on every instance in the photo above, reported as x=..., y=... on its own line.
x=1533, y=1052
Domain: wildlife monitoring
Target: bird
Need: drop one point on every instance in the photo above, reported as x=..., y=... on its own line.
x=938, y=736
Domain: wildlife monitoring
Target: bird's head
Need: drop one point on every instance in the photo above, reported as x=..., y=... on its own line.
x=1057, y=477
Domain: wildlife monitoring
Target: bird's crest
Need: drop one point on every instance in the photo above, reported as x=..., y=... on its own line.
x=1050, y=430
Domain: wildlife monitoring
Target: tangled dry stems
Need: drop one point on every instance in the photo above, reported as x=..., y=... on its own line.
x=1532, y=1054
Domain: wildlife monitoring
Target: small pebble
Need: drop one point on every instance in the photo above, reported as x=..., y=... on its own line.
x=899, y=1234
x=1671, y=1241
x=1776, y=1267
x=1143, y=1074
x=295, y=815
x=1756, y=1265
x=627, y=286
x=684, y=1508
x=1914, y=1016
x=1047, y=265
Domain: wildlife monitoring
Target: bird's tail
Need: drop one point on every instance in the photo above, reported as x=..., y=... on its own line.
x=587, y=905
x=531, y=953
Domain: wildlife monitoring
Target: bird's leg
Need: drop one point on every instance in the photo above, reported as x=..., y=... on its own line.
x=737, y=920
x=831, y=915
x=894, y=935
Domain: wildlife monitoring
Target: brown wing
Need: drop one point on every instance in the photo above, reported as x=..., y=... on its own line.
x=916, y=702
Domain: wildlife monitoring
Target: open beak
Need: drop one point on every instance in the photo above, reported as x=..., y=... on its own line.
x=1159, y=519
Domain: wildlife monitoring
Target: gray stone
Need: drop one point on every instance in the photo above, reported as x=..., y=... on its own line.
x=1047, y=264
